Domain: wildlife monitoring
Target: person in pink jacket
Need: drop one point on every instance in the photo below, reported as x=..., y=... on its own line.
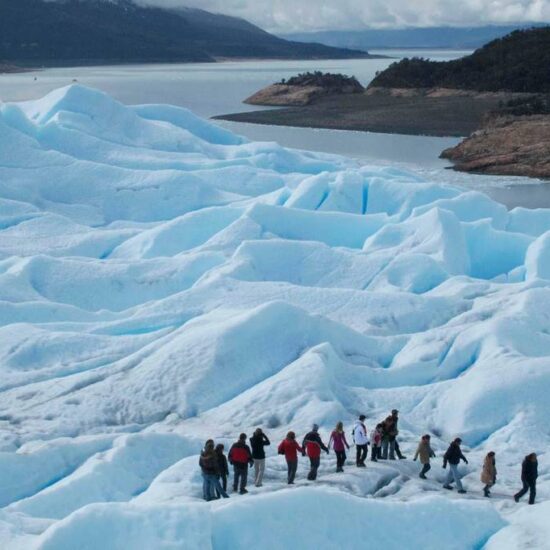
x=339, y=444
x=376, y=443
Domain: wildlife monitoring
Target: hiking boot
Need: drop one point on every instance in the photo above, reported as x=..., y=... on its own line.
x=402, y=457
x=447, y=487
x=516, y=498
x=462, y=491
x=422, y=476
x=243, y=492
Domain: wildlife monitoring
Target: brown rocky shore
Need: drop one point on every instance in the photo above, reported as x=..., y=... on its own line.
x=506, y=145
x=430, y=112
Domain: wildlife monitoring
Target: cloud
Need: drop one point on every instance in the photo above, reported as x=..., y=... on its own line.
x=300, y=15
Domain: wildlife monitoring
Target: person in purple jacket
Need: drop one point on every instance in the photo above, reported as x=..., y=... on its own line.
x=339, y=444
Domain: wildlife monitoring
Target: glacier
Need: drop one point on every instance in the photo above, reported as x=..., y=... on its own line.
x=164, y=281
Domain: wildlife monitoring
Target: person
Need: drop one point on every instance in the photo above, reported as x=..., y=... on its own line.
x=425, y=452
x=489, y=473
x=339, y=444
x=361, y=441
x=240, y=457
x=290, y=448
x=388, y=438
x=395, y=418
x=258, y=441
x=208, y=462
x=453, y=456
x=312, y=446
x=376, y=441
x=223, y=468
x=529, y=474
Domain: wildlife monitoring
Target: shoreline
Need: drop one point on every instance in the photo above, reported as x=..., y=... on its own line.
x=451, y=116
x=79, y=64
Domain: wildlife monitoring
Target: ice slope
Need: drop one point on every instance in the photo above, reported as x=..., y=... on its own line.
x=163, y=281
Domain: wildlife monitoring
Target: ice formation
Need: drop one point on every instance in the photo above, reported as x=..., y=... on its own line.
x=163, y=281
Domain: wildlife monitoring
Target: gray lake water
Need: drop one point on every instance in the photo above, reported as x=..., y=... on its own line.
x=210, y=89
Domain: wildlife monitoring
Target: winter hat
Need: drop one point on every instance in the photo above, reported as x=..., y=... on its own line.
x=315, y=428
x=362, y=417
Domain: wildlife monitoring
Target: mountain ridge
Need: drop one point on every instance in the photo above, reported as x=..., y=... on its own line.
x=445, y=37
x=38, y=32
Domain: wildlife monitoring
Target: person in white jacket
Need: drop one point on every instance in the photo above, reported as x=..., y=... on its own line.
x=361, y=441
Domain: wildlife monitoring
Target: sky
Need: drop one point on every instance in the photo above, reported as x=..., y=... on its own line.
x=311, y=15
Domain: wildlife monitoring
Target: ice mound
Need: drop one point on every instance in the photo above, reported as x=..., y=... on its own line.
x=163, y=280
x=221, y=526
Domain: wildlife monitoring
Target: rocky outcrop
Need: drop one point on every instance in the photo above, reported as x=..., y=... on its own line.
x=506, y=145
x=304, y=89
x=285, y=95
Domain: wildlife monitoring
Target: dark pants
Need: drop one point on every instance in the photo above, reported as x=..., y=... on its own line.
x=314, y=466
x=362, y=452
x=530, y=486
x=240, y=473
x=223, y=483
x=340, y=460
x=292, y=466
x=398, y=450
x=425, y=469
x=375, y=452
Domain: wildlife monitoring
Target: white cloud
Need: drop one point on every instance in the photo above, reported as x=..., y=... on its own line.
x=299, y=15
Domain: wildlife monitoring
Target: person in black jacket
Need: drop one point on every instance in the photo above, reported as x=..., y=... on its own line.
x=258, y=441
x=240, y=457
x=529, y=474
x=312, y=446
x=223, y=468
x=453, y=456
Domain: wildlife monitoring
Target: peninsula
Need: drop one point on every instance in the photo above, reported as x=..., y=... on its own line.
x=497, y=95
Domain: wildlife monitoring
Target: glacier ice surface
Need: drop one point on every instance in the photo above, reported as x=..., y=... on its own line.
x=163, y=280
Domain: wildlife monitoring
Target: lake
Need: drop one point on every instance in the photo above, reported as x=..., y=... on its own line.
x=210, y=89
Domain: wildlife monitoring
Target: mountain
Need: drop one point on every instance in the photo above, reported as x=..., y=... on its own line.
x=430, y=37
x=518, y=62
x=100, y=31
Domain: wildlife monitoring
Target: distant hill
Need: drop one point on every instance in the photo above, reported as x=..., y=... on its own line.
x=464, y=38
x=63, y=32
x=518, y=62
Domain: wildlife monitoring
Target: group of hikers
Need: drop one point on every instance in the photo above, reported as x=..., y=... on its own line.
x=384, y=446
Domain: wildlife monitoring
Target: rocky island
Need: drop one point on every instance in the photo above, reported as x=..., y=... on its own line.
x=497, y=96
x=305, y=88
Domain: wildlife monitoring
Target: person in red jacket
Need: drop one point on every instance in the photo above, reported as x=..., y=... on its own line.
x=339, y=444
x=240, y=457
x=312, y=446
x=289, y=447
